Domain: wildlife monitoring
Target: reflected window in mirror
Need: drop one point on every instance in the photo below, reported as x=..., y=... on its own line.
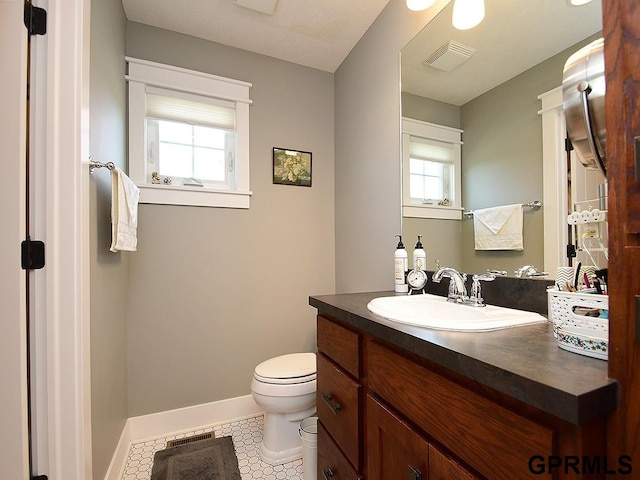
x=431, y=170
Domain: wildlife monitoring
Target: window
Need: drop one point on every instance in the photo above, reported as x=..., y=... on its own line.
x=431, y=170
x=188, y=136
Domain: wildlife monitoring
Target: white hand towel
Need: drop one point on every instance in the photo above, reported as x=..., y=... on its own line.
x=124, y=212
x=498, y=228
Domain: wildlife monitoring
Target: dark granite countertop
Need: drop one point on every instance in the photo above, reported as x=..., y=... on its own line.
x=523, y=362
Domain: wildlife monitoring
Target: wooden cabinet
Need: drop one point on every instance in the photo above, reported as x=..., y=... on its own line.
x=395, y=451
x=385, y=414
x=339, y=402
x=492, y=439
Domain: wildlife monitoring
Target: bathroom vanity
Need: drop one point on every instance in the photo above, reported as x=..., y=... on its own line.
x=402, y=402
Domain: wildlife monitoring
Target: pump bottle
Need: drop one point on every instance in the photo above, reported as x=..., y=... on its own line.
x=401, y=261
x=419, y=256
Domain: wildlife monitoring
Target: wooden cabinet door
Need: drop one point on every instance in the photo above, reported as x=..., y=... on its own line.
x=442, y=467
x=394, y=450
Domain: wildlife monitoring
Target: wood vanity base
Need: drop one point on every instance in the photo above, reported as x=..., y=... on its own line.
x=386, y=414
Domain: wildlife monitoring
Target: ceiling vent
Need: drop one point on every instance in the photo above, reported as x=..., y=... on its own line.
x=263, y=6
x=449, y=56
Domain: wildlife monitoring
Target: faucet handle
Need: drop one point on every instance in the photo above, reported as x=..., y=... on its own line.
x=476, y=289
x=501, y=273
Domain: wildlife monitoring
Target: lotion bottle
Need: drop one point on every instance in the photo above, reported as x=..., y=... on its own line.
x=419, y=256
x=401, y=262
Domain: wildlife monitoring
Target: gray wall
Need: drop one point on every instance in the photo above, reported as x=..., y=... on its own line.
x=109, y=271
x=213, y=292
x=367, y=139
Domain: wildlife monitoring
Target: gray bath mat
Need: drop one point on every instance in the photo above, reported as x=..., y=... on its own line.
x=213, y=459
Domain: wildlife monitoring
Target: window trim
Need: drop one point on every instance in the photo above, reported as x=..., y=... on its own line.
x=143, y=73
x=439, y=133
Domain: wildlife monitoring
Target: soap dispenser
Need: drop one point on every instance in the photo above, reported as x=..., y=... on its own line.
x=401, y=262
x=419, y=256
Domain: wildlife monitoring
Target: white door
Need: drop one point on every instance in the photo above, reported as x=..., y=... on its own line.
x=13, y=393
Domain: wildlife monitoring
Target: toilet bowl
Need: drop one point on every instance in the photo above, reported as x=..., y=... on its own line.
x=285, y=387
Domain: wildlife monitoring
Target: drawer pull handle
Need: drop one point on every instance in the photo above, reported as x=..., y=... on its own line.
x=328, y=474
x=414, y=473
x=334, y=406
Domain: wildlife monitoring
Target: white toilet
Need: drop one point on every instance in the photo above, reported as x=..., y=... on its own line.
x=285, y=387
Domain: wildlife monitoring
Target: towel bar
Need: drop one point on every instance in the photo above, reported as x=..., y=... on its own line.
x=535, y=205
x=93, y=165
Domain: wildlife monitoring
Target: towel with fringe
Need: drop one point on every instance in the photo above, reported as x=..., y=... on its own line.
x=124, y=212
x=498, y=228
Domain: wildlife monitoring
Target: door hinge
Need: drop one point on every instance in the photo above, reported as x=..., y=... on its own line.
x=568, y=146
x=32, y=254
x=35, y=19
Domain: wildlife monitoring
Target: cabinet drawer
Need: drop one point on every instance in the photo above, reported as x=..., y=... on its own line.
x=332, y=465
x=339, y=344
x=493, y=440
x=338, y=405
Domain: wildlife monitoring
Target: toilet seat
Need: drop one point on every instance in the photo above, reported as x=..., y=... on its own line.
x=285, y=381
x=291, y=369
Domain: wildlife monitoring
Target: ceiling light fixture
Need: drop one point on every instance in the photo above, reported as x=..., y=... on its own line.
x=577, y=3
x=467, y=13
x=417, y=5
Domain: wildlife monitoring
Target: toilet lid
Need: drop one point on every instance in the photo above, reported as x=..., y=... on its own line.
x=291, y=368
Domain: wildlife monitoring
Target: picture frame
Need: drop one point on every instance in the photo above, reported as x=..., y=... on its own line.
x=291, y=167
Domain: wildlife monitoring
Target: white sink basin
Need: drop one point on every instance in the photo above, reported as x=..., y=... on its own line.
x=432, y=311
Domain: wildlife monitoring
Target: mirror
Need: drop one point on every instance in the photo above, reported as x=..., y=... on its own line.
x=520, y=51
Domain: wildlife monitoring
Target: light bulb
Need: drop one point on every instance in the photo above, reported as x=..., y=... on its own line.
x=467, y=13
x=417, y=5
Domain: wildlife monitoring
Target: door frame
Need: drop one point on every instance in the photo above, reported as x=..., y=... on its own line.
x=62, y=302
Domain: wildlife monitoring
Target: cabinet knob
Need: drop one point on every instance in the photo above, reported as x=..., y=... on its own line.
x=328, y=474
x=413, y=473
x=334, y=406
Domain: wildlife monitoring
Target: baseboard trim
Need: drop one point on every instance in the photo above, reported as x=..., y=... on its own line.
x=169, y=422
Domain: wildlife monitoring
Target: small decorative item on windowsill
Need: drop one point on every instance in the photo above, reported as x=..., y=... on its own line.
x=291, y=167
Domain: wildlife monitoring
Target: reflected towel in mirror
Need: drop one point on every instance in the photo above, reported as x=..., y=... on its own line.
x=498, y=228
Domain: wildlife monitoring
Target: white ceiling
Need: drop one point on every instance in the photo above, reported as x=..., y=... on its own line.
x=514, y=36
x=314, y=33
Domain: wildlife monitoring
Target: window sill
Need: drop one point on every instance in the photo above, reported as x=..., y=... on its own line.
x=193, y=196
x=432, y=211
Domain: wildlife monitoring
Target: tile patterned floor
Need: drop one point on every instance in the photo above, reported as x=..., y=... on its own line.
x=246, y=434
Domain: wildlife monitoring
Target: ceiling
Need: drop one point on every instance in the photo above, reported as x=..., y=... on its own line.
x=514, y=36
x=314, y=33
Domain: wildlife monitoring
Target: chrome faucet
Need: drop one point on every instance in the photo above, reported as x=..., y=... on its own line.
x=457, y=287
x=529, y=271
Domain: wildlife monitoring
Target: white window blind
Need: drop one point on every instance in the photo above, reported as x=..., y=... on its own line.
x=206, y=112
x=431, y=150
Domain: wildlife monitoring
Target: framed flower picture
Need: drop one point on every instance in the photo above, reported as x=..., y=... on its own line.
x=291, y=167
